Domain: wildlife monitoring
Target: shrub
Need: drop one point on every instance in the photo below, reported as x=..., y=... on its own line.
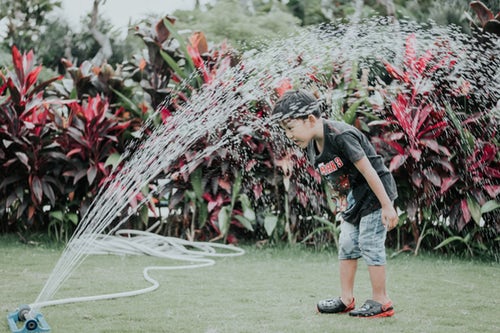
x=445, y=162
x=54, y=153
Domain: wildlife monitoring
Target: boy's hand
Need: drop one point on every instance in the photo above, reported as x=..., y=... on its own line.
x=389, y=217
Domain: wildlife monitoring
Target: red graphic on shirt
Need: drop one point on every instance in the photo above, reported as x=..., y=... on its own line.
x=332, y=166
x=339, y=181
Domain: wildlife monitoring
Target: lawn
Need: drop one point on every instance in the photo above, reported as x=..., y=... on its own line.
x=265, y=290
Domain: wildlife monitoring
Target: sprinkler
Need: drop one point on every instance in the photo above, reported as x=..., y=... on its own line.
x=28, y=319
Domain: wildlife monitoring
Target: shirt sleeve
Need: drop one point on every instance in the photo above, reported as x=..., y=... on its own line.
x=351, y=147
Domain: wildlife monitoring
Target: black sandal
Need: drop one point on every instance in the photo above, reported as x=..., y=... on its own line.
x=334, y=305
x=372, y=309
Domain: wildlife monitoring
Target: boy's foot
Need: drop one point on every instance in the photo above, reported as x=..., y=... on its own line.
x=372, y=309
x=334, y=305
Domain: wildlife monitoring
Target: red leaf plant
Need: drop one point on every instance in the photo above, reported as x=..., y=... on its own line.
x=416, y=123
x=29, y=158
x=435, y=168
x=93, y=135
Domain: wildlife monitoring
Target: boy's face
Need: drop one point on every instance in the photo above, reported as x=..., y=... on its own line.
x=298, y=130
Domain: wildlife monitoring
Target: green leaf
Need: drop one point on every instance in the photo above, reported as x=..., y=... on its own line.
x=474, y=208
x=456, y=122
x=196, y=183
x=364, y=126
x=315, y=231
x=328, y=191
x=190, y=195
x=427, y=212
x=58, y=215
x=236, y=188
x=350, y=114
x=490, y=206
x=248, y=212
x=113, y=160
x=324, y=221
x=246, y=223
x=224, y=219
x=173, y=64
x=202, y=214
x=72, y=217
x=471, y=140
x=128, y=102
x=182, y=44
x=74, y=94
x=144, y=214
x=354, y=81
x=270, y=222
x=449, y=240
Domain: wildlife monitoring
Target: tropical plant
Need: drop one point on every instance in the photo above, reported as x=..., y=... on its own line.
x=93, y=135
x=54, y=153
x=29, y=157
x=444, y=164
x=167, y=61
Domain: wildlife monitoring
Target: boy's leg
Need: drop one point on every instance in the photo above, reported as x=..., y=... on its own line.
x=348, y=255
x=378, y=282
x=348, y=269
x=372, y=234
x=345, y=302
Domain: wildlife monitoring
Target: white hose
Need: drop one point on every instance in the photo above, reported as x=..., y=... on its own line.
x=134, y=242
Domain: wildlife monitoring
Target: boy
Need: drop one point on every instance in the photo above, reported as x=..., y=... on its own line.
x=344, y=156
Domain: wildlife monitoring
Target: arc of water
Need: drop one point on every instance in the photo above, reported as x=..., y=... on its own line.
x=155, y=155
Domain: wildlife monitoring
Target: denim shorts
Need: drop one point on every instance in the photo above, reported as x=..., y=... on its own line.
x=365, y=240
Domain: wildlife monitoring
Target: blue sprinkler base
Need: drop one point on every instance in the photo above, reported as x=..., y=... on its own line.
x=24, y=320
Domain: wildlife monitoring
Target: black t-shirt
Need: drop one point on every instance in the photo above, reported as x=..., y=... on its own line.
x=344, y=145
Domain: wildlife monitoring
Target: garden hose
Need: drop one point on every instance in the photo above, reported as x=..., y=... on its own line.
x=134, y=242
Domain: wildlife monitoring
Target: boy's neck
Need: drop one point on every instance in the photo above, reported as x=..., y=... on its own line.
x=319, y=138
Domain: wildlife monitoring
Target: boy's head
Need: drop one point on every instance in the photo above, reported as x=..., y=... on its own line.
x=299, y=114
x=296, y=104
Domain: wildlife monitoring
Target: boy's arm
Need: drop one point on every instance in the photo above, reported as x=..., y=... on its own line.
x=389, y=215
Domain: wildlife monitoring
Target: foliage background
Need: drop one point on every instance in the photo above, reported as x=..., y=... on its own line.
x=111, y=99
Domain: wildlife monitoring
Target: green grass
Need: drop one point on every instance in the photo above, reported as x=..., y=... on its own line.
x=266, y=290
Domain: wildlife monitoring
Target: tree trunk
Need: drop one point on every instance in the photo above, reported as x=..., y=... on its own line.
x=327, y=8
x=248, y=6
x=389, y=7
x=105, y=52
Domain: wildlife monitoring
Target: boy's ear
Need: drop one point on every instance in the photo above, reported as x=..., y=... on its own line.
x=312, y=119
